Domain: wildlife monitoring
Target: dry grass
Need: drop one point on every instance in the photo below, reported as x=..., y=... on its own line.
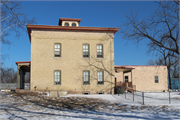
x=62, y=103
x=78, y=104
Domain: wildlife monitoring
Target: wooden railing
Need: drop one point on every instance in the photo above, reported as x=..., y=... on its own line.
x=128, y=85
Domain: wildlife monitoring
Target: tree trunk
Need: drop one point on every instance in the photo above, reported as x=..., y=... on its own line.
x=169, y=78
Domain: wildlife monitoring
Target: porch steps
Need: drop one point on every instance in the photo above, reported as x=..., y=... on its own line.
x=22, y=90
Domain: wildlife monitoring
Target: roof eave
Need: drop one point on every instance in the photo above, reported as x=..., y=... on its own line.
x=30, y=27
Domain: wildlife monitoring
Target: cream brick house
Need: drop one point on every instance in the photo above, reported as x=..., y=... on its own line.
x=80, y=60
x=70, y=58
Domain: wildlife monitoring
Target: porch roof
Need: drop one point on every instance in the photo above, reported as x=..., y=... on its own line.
x=123, y=68
x=22, y=62
x=24, y=65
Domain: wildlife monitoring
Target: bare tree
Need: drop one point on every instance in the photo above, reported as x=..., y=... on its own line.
x=92, y=64
x=161, y=29
x=12, y=19
x=8, y=75
x=27, y=77
x=172, y=63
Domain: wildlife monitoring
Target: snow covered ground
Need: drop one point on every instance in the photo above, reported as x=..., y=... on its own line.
x=152, y=98
x=104, y=107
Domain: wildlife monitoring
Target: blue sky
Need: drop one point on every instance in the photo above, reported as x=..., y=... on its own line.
x=92, y=14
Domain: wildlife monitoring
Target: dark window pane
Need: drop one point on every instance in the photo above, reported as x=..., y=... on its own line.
x=156, y=81
x=101, y=83
x=74, y=24
x=66, y=24
x=86, y=82
x=126, y=79
x=57, y=55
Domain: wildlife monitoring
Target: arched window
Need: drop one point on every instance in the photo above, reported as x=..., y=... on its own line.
x=66, y=24
x=73, y=24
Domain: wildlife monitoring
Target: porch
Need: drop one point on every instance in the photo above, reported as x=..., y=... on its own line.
x=122, y=81
x=22, y=68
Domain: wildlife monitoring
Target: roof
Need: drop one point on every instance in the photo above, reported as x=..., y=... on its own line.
x=70, y=19
x=23, y=62
x=123, y=67
x=71, y=28
x=131, y=66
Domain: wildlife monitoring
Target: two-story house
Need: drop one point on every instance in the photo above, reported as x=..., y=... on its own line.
x=80, y=60
x=70, y=58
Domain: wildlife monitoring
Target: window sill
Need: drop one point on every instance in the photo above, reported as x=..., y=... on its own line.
x=56, y=85
x=100, y=85
x=99, y=58
x=57, y=57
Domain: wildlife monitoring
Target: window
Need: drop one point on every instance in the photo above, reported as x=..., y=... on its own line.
x=85, y=77
x=126, y=78
x=57, y=77
x=100, y=77
x=66, y=24
x=99, y=51
x=86, y=50
x=73, y=24
x=156, y=79
x=57, y=50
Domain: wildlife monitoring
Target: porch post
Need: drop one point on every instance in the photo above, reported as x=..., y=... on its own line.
x=18, y=77
x=22, y=73
x=123, y=77
x=132, y=82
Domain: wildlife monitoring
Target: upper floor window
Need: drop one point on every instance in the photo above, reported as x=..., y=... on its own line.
x=100, y=51
x=156, y=79
x=85, y=77
x=73, y=24
x=85, y=50
x=126, y=78
x=100, y=77
x=57, y=50
x=66, y=24
x=57, y=77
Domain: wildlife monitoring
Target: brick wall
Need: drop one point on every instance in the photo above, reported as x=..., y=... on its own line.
x=71, y=63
